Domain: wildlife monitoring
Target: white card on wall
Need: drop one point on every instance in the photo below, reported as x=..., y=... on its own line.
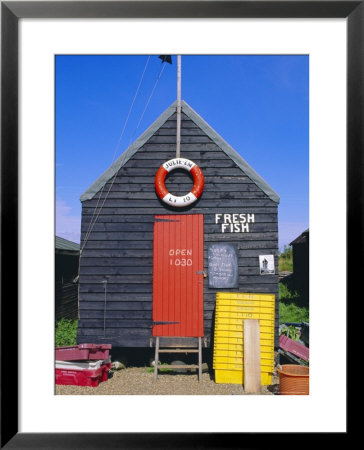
x=266, y=264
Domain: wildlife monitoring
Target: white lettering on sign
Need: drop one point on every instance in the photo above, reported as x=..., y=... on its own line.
x=176, y=254
x=234, y=223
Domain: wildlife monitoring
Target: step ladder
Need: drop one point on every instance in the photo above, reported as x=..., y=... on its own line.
x=178, y=348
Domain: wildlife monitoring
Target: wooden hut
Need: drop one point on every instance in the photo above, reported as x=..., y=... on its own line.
x=237, y=207
x=300, y=253
x=66, y=287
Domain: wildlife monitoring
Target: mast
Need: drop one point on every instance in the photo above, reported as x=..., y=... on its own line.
x=178, y=140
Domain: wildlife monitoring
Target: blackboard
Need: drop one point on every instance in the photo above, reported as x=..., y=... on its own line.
x=223, y=266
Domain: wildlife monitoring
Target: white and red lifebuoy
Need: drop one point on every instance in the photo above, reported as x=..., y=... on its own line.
x=179, y=163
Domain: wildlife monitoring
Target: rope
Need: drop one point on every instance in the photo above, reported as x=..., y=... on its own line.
x=148, y=101
x=113, y=179
x=91, y=225
x=92, y=222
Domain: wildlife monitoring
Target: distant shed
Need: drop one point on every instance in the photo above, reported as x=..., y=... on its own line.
x=237, y=207
x=300, y=254
x=67, y=255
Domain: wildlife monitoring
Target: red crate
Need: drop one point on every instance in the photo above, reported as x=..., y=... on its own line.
x=82, y=377
x=294, y=347
x=83, y=351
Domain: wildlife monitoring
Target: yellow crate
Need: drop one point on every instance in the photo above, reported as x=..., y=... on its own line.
x=238, y=319
x=228, y=347
x=237, y=337
x=233, y=343
x=226, y=327
x=238, y=364
x=265, y=361
x=265, y=351
x=243, y=301
x=244, y=296
x=231, y=310
x=229, y=353
x=237, y=377
x=242, y=307
x=242, y=304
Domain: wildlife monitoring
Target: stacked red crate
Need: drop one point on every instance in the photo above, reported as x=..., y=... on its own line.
x=82, y=365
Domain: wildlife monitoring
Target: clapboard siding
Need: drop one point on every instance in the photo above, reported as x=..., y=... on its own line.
x=116, y=268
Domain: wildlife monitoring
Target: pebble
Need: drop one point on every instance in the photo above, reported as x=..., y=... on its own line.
x=140, y=381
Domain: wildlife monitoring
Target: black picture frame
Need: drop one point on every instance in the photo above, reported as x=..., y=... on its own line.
x=11, y=12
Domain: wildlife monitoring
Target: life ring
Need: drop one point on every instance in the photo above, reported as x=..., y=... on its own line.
x=179, y=163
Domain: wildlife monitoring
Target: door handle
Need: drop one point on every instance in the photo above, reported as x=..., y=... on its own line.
x=201, y=272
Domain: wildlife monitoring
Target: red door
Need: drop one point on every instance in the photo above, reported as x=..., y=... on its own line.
x=178, y=276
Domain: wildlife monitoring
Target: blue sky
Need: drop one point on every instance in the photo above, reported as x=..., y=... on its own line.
x=258, y=104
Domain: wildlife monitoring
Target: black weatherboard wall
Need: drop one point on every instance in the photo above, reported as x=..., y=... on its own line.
x=116, y=268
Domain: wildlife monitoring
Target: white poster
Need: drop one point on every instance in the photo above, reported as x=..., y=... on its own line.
x=266, y=264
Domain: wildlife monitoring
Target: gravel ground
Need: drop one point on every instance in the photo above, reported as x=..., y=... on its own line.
x=139, y=381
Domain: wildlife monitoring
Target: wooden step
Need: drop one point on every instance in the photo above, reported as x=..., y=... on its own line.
x=187, y=350
x=179, y=366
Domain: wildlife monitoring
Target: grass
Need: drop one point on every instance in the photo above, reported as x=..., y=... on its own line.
x=292, y=313
x=66, y=332
x=160, y=368
x=290, y=309
x=285, y=260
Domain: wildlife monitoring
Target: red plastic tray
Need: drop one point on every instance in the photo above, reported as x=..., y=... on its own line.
x=82, y=377
x=83, y=351
x=294, y=347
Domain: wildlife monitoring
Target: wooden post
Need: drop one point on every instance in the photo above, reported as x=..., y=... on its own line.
x=178, y=142
x=156, y=358
x=199, y=359
x=252, y=370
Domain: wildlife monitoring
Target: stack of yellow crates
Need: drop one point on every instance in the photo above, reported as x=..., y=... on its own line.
x=231, y=311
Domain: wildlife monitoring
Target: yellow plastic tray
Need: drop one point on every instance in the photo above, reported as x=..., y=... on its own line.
x=237, y=377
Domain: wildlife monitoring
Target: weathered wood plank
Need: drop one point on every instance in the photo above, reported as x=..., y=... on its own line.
x=125, y=332
x=186, y=131
x=114, y=323
x=114, y=235
x=243, y=236
x=117, y=253
x=208, y=219
x=111, y=262
x=252, y=371
x=116, y=279
x=124, y=305
x=154, y=154
x=131, y=228
x=184, y=124
x=123, y=270
x=157, y=206
x=260, y=215
x=115, y=288
x=158, y=160
x=115, y=297
x=125, y=315
x=125, y=227
x=174, y=176
x=184, y=139
x=249, y=192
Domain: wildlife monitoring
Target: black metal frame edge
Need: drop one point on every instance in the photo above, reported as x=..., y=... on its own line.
x=11, y=12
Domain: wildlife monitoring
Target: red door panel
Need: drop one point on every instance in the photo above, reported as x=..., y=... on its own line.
x=178, y=276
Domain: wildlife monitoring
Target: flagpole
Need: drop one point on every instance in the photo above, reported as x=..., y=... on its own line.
x=178, y=143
